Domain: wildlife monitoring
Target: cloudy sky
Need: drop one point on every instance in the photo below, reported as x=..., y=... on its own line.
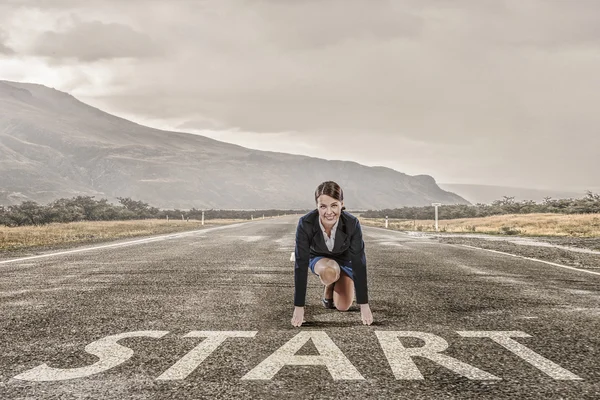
x=468, y=91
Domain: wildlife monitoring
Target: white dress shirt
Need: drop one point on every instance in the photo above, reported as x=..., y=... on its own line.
x=329, y=241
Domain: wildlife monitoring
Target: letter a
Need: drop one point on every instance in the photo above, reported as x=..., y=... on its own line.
x=330, y=355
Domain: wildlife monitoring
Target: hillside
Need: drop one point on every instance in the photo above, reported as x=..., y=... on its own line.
x=52, y=146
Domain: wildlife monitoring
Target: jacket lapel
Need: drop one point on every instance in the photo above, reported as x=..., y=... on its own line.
x=317, y=238
x=340, y=234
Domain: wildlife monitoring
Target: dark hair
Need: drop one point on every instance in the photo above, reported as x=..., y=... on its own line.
x=331, y=189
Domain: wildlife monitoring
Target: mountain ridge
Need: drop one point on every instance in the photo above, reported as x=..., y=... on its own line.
x=53, y=145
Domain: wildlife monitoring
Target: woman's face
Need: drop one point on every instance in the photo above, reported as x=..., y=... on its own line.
x=329, y=209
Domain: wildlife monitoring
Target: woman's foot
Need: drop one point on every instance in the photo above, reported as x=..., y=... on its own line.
x=328, y=303
x=328, y=296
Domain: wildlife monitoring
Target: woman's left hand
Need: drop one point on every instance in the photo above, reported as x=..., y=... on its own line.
x=365, y=314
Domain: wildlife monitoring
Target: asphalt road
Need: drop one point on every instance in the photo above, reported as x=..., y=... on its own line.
x=514, y=328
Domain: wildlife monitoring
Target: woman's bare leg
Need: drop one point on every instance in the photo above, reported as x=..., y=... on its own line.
x=343, y=292
x=329, y=272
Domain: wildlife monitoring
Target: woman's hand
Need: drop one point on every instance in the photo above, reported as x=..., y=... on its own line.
x=298, y=317
x=365, y=314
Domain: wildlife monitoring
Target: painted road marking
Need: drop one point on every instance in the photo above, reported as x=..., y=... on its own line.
x=132, y=242
x=533, y=259
x=331, y=356
x=106, y=349
x=188, y=363
x=503, y=338
x=399, y=357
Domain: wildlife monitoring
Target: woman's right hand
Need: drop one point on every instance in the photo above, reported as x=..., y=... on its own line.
x=298, y=317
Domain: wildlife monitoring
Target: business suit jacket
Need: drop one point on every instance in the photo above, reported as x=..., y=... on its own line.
x=348, y=245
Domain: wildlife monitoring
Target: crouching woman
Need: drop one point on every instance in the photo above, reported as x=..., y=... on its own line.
x=329, y=242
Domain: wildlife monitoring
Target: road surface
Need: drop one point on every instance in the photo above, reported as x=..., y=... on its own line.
x=207, y=314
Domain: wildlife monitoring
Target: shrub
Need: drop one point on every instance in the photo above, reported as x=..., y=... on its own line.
x=508, y=230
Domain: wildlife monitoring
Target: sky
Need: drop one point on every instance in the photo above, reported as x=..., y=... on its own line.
x=496, y=92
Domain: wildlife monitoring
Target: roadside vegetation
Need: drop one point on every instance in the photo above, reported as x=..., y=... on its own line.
x=83, y=219
x=551, y=217
x=574, y=225
x=60, y=234
x=589, y=204
x=86, y=208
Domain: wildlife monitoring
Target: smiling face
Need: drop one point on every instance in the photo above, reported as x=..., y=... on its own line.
x=329, y=210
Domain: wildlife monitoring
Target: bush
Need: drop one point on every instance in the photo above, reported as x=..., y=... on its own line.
x=589, y=204
x=86, y=208
x=508, y=230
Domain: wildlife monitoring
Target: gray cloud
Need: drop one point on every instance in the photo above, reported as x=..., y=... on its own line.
x=302, y=25
x=470, y=89
x=4, y=48
x=200, y=123
x=272, y=67
x=93, y=41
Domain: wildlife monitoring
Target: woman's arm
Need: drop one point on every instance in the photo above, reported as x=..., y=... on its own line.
x=359, y=265
x=301, y=266
x=359, y=268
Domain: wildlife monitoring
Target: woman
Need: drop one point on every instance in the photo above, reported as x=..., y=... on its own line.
x=329, y=242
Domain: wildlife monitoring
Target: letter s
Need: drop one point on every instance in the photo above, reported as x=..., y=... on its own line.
x=107, y=349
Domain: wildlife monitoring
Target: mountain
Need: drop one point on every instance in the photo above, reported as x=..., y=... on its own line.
x=486, y=194
x=52, y=146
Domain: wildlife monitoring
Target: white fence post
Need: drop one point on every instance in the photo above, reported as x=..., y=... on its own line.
x=436, y=215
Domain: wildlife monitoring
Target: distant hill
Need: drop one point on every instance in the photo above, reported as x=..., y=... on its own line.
x=486, y=194
x=53, y=146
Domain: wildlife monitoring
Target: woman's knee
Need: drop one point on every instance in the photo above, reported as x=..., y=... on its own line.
x=329, y=271
x=329, y=275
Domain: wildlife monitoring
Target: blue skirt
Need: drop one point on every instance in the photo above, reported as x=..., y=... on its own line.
x=345, y=266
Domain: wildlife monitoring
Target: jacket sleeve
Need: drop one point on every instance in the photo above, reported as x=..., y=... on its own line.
x=302, y=254
x=359, y=265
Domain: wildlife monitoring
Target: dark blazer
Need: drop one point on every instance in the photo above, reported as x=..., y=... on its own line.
x=348, y=246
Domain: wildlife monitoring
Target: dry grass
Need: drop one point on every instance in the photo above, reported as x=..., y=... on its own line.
x=579, y=225
x=23, y=237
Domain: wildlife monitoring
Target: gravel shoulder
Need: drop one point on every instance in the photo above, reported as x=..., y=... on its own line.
x=572, y=251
